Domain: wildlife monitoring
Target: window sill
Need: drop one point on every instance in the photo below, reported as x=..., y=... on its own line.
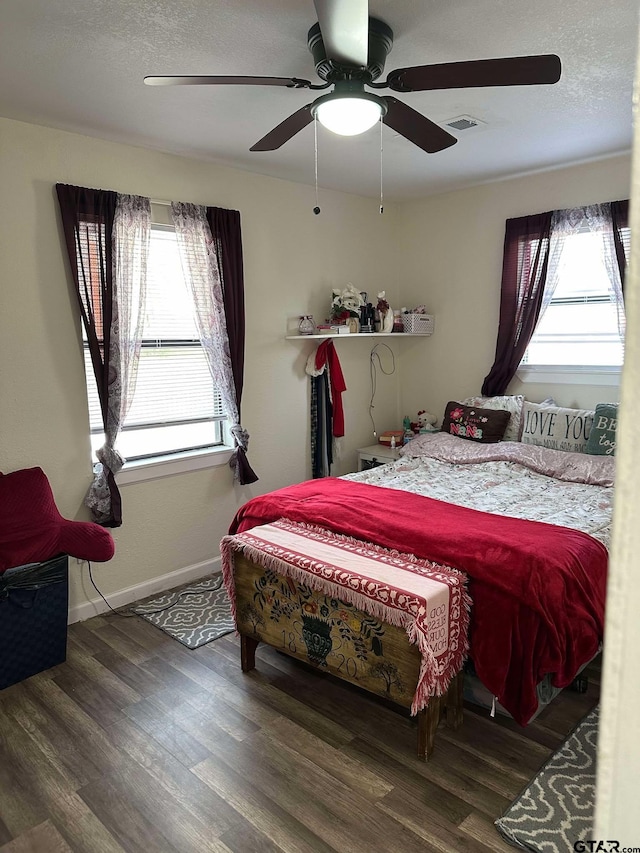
x=156, y=467
x=569, y=375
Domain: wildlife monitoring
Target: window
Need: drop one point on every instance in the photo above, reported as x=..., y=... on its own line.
x=175, y=407
x=580, y=326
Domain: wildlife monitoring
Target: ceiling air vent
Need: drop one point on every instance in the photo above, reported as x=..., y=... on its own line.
x=464, y=123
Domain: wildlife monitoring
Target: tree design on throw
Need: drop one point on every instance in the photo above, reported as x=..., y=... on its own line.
x=388, y=672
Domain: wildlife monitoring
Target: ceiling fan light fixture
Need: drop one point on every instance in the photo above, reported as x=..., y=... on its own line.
x=349, y=114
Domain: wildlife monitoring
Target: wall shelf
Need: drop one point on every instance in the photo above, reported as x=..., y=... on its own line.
x=357, y=335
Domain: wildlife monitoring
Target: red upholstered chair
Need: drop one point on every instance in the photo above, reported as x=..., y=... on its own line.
x=32, y=530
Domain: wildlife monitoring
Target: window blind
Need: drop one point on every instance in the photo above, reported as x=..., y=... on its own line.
x=580, y=325
x=173, y=383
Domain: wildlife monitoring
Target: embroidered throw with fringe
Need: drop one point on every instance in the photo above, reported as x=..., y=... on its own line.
x=426, y=599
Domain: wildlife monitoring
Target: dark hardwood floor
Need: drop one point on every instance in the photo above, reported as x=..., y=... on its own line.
x=138, y=744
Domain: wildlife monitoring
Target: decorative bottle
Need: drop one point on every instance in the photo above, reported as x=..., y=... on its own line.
x=387, y=322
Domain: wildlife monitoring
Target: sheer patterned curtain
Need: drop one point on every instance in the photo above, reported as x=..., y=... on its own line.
x=609, y=219
x=524, y=275
x=131, y=238
x=202, y=272
x=564, y=223
x=598, y=219
x=107, y=238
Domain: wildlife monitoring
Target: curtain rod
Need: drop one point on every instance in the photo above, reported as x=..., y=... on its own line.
x=166, y=203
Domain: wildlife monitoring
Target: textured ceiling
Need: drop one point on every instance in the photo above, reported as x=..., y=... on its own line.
x=79, y=65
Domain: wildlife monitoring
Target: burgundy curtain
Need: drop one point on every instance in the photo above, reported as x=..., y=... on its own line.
x=87, y=221
x=227, y=242
x=620, y=219
x=524, y=273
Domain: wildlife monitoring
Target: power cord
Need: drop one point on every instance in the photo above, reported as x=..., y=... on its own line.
x=129, y=612
x=374, y=356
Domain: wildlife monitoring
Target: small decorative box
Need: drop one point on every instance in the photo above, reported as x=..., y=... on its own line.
x=418, y=324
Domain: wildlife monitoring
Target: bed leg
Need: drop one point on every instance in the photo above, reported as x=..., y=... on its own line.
x=453, y=706
x=248, y=646
x=428, y=719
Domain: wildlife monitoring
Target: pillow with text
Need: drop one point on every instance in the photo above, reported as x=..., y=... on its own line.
x=556, y=427
x=511, y=403
x=486, y=426
x=602, y=438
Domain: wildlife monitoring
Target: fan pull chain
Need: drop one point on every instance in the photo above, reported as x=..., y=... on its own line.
x=316, y=209
x=381, y=152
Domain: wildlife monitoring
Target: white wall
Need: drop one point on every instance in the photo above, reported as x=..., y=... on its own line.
x=619, y=736
x=292, y=260
x=451, y=259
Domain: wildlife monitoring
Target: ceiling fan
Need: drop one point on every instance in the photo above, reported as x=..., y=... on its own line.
x=349, y=50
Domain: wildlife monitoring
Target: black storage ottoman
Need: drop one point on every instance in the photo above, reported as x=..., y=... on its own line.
x=34, y=603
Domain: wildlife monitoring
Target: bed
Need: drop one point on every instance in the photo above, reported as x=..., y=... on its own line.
x=529, y=525
x=530, y=482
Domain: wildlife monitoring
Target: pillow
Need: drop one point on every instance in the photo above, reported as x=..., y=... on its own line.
x=512, y=404
x=602, y=438
x=32, y=530
x=548, y=401
x=555, y=427
x=483, y=425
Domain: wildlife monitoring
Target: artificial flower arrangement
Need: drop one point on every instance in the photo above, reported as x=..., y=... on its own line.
x=345, y=303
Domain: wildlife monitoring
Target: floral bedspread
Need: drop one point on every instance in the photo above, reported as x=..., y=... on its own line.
x=508, y=478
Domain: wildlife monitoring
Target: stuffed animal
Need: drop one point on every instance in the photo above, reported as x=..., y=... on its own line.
x=426, y=421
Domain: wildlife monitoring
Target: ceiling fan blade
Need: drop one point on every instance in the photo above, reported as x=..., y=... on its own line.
x=416, y=128
x=510, y=71
x=344, y=25
x=285, y=130
x=205, y=80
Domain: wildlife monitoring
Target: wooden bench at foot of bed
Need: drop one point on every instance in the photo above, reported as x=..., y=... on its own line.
x=336, y=638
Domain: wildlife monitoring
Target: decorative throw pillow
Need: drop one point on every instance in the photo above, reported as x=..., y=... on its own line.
x=548, y=401
x=483, y=425
x=602, y=438
x=512, y=403
x=555, y=427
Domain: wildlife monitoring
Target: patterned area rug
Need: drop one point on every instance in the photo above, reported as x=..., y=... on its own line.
x=556, y=809
x=194, y=615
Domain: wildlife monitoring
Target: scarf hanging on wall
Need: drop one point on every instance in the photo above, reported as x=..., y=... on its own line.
x=327, y=415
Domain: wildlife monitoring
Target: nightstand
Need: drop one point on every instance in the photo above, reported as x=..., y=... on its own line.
x=376, y=454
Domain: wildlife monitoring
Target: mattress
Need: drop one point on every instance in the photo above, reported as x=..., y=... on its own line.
x=509, y=478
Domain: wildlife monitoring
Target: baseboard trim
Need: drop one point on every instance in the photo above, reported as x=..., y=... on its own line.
x=96, y=606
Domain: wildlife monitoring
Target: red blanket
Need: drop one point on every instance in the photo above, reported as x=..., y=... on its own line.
x=538, y=590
